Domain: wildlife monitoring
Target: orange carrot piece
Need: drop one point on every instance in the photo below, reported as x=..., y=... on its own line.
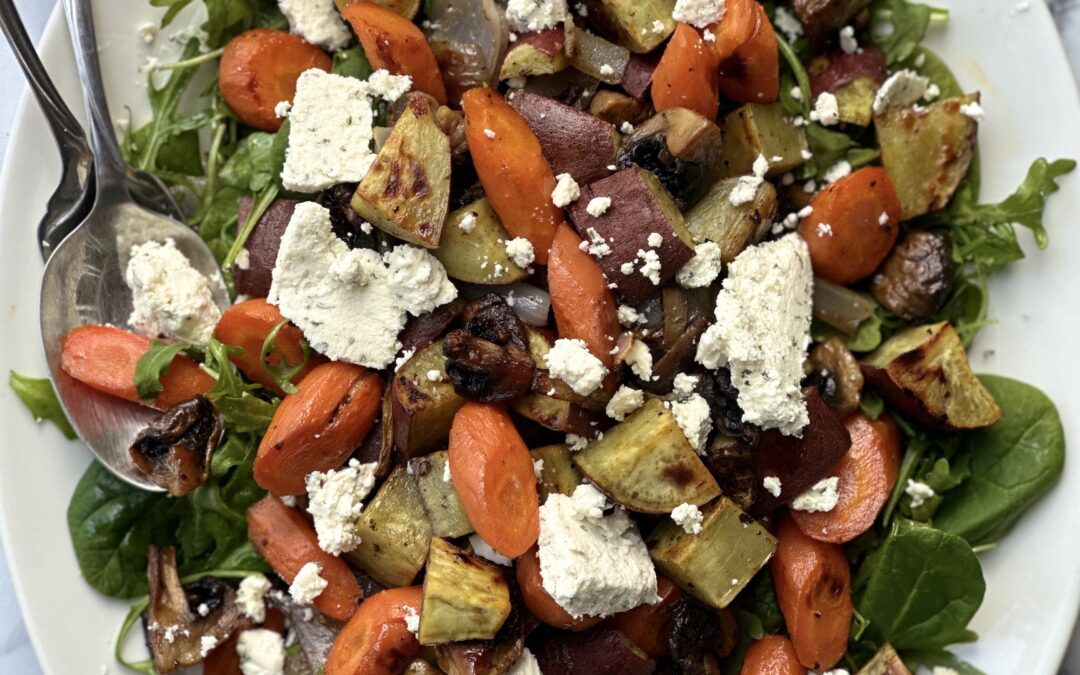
x=493, y=474
x=584, y=306
x=259, y=68
x=318, y=427
x=539, y=602
x=246, y=325
x=224, y=660
x=376, y=640
x=867, y=474
x=845, y=232
x=288, y=542
x=104, y=357
x=517, y=179
x=813, y=589
x=734, y=29
x=394, y=43
x=686, y=75
x=752, y=73
x=772, y=655
x=648, y=626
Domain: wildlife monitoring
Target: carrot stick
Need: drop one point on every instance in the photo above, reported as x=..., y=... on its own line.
x=539, y=602
x=813, y=589
x=772, y=655
x=246, y=325
x=318, y=427
x=104, y=357
x=394, y=43
x=866, y=476
x=259, y=68
x=288, y=542
x=516, y=177
x=752, y=73
x=686, y=75
x=376, y=640
x=648, y=626
x=493, y=475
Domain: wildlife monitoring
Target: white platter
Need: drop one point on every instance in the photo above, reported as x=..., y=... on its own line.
x=1015, y=59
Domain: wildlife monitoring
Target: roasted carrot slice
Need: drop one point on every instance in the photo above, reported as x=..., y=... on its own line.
x=539, y=602
x=288, y=542
x=648, y=626
x=376, y=640
x=516, y=177
x=224, y=660
x=394, y=43
x=318, y=427
x=772, y=655
x=104, y=357
x=493, y=474
x=247, y=325
x=259, y=69
x=752, y=73
x=734, y=29
x=584, y=306
x=686, y=75
x=813, y=589
x=854, y=225
x=866, y=476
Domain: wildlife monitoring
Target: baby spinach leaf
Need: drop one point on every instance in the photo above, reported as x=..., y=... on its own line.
x=909, y=21
x=152, y=365
x=39, y=397
x=829, y=147
x=1012, y=463
x=352, y=62
x=257, y=161
x=920, y=589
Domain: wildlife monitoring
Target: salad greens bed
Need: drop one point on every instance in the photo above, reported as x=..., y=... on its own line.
x=917, y=580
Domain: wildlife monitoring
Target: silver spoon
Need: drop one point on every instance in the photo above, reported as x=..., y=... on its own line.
x=84, y=279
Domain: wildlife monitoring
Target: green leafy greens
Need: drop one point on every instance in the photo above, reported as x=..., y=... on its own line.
x=152, y=365
x=38, y=395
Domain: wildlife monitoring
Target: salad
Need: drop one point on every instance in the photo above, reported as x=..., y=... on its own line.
x=627, y=336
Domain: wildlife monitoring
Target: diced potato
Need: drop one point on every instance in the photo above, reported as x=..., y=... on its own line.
x=541, y=53
x=423, y=407
x=465, y=597
x=615, y=108
x=646, y=464
x=630, y=22
x=394, y=533
x=441, y=502
x=716, y=564
x=885, y=662
x=596, y=57
x=856, y=101
x=734, y=228
x=822, y=18
x=761, y=129
x=925, y=372
x=478, y=256
x=558, y=474
x=407, y=190
x=927, y=152
x=558, y=415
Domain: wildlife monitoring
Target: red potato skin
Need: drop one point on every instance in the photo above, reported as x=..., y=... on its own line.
x=843, y=69
x=376, y=640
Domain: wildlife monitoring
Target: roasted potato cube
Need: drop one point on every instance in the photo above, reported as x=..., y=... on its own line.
x=394, y=533
x=558, y=475
x=761, y=129
x=617, y=108
x=630, y=22
x=853, y=78
x=465, y=597
x=822, y=18
x=598, y=58
x=441, y=502
x=646, y=464
x=927, y=152
x=734, y=228
x=541, y=53
x=885, y=662
x=558, y=415
x=924, y=371
x=716, y=564
x=406, y=192
x=423, y=407
x=477, y=253
x=637, y=79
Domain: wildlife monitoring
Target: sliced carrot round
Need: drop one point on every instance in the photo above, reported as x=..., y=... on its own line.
x=752, y=73
x=247, y=325
x=686, y=75
x=734, y=29
x=539, y=602
x=376, y=640
x=648, y=626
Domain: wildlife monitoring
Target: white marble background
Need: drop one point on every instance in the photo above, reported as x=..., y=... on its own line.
x=16, y=653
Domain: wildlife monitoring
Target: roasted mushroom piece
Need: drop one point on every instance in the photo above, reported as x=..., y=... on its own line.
x=178, y=635
x=174, y=450
x=917, y=277
x=841, y=378
x=489, y=360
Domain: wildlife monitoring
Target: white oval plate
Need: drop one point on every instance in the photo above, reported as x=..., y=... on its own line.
x=1016, y=60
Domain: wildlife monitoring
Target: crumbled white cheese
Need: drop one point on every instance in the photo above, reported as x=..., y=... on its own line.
x=170, y=298
x=573, y=363
x=787, y=24
x=796, y=93
x=485, y=551
x=625, y=401
x=317, y=21
x=335, y=500
x=973, y=110
x=530, y=16
x=695, y=420
x=683, y=385
x=468, y=223
x=746, y=188
x=848, y=43
x=762, y=331
x=932, y=92
x=434, y=375
x=592, y=564
x=251, y=597
x=489, y=133
x=203, y=609
x=207, y=644
x=823, y=496
x=628, y=316
x=919, y=492
x=698, y=13
x=824, y=230
x=355, y=312
x=606, y=69
x=520, y=250
x=412, y=621
x=841, y=169
x=708, y=36
x=576, y=443
x=388, y=87
x=596, y=246
x=688, y=517
x=261, y=651
x=703, y=269
x=527, y=664
x=598, y=206
x=446, y=475
x=148, y=32
x=626, y=127
x=640, y=360
x=903, y=89
x=566, y=191
x=771, y=485
x=655, y=239
x=942, y=670
x=826, y=110
x=650, y=265
x=307, y=585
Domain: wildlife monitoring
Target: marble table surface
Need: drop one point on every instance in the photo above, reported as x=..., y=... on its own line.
x=16, y=653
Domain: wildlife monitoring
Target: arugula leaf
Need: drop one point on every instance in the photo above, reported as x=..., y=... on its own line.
x=241, y=411
x=282, y=372
x=352, y=62
x=39, y=397
x=1012, y=464
x=226, y=19
x=909, y=22
x=920, y=589
x=152, y=365
x=871, y=404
